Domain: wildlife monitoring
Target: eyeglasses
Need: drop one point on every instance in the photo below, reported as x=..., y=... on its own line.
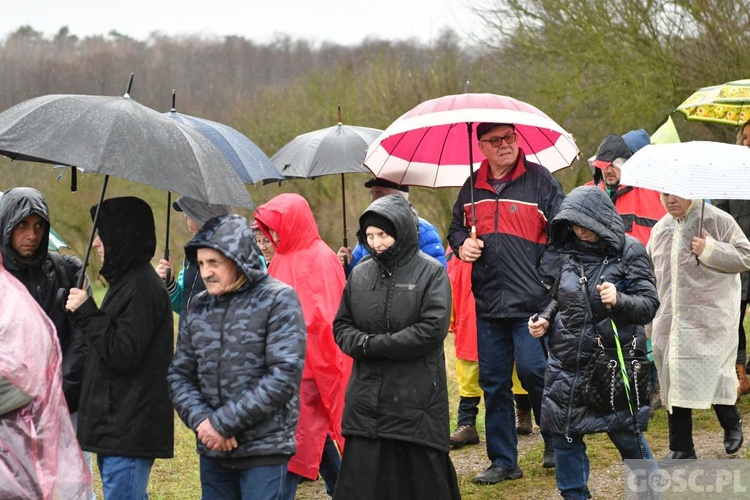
x=263, y=242
x=496, y=141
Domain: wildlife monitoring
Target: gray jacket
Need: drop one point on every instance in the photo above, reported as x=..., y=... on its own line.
x=240, y=355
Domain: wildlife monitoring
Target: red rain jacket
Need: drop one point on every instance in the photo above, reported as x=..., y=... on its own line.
x=639, y=208
x=464, y=317
x=306, y=263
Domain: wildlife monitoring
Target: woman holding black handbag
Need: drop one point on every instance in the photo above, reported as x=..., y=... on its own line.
x=587, y=313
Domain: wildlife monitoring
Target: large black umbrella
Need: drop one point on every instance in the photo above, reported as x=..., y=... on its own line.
x=247, y=159
x=334, y=150
x=118, y=136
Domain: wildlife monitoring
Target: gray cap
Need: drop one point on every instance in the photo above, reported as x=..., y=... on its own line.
x=200, y=211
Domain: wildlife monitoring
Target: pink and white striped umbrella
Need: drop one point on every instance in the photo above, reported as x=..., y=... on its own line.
x=434, y=143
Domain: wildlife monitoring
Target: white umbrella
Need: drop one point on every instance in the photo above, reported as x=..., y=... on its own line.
x=692, y=170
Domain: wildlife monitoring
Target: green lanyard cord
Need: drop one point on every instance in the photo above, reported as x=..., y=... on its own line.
x=623, y=371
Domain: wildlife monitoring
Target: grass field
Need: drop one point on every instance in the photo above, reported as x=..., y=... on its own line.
x=178, y=478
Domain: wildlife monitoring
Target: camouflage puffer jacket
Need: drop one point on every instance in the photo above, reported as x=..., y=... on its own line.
x=240, y=355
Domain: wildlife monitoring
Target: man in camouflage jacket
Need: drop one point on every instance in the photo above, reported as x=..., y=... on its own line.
x=235, y=375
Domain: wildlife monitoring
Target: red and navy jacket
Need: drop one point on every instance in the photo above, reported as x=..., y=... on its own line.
x=510, y=279
x=639, y=208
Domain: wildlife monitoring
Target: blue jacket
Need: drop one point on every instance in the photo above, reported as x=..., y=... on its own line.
x=429, y=242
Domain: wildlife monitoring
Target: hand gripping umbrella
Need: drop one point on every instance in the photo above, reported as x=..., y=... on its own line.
x=118, y=136
x=334, y=150
x=431, y=145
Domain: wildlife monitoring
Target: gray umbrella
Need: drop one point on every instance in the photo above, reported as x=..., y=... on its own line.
x=339, y=149
x=118, y=136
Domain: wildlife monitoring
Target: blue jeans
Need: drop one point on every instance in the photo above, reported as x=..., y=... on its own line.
x=572, y=462
x=499, y=343
x=330, y=465
x=256, y=483
x=124, y=478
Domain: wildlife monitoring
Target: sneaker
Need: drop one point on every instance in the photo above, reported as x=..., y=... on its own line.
x=523, y=422
x=463, y=435
x=548, y=460
x=494, y=474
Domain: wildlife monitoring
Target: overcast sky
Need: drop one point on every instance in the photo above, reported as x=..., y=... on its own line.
x=345, y=22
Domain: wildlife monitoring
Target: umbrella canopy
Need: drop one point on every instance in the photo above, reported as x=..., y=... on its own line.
x=691, y=170
x=727, y=103
x=120, y=137
x=334, y=150
x=248, y=160
x=431, y=145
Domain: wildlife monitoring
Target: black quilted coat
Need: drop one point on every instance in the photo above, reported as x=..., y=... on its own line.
x=622, y=260
x=401, y=299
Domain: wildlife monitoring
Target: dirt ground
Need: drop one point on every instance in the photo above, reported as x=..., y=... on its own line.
x=604, y=483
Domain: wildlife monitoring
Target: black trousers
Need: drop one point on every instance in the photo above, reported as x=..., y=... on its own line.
x=681, y=424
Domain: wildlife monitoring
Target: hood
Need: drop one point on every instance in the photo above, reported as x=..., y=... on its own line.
x=290, y=216
x=636, y=139
x=591, y=208
x=15, y=205
x=232, y=236
x=126, y=228
x=399, y=211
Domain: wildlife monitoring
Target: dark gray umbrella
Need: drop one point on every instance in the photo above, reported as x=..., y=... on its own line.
x=118, y=136
x=248, y=160
x=339, y=149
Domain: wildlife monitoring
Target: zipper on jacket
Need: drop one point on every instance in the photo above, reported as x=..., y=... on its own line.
x=221, y=351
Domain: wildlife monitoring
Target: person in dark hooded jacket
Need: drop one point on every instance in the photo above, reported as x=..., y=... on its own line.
x=393, y=319
x=125, y=414
x=28, y=259
x=236, y=373
x=589, y=236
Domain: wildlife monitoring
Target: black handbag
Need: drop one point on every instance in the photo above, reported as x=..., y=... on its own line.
x=604, y=380
x=604, y=387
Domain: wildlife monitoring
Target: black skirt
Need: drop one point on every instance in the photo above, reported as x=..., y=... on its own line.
x=377, y=469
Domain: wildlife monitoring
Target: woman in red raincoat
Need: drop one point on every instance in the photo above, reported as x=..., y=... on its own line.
x=306, y=263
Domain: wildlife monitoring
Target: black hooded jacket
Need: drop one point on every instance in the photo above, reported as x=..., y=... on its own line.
x=393, y=318
x=623, y=261
x=42, y=280
x=125, y=407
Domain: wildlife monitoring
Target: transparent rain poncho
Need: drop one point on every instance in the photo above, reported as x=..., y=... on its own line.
x=39, y=454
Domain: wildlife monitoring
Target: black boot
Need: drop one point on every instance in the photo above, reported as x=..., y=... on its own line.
x=731, y=421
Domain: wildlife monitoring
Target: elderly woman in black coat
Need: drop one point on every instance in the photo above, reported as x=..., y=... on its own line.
x=588, y=234
x=392, y=320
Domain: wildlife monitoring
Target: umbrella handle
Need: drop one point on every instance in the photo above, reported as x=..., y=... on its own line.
x=168, y=276
x=700, y=230
x=474, y=233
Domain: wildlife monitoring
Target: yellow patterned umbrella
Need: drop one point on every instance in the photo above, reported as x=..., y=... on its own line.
x=727, y=103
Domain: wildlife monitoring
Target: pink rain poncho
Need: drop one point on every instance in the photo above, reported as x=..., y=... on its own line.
x=40, y=456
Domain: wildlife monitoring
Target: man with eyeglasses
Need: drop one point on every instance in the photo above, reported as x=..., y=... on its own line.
x=512, y=200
